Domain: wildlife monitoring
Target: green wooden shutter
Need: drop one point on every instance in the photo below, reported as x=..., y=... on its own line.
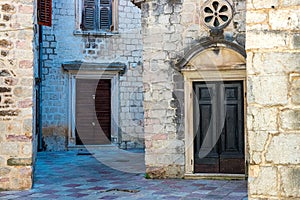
x=44, y=8
x=105, y=14
x=88, y=15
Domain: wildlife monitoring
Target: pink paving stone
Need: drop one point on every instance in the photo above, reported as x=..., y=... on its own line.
x=77, y=195
x=50, y=191
x=52, y=196
x=58, y=170
x=198, y=184
x=97, y=188
x=75, y=190
x=71, y=185
x=92, y=180
x=210, y=188
x=109, y=197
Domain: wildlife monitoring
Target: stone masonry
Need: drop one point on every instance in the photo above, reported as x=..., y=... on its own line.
x=170, y=28
x=16, y=94
x=273, y=114
x=61, y=43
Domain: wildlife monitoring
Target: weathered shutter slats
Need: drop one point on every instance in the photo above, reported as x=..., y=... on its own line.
x=105, y=14
x=45, y=12
x=89, y=13
x=97, y=15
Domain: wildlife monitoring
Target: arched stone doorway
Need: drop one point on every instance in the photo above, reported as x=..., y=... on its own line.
x=215, y=84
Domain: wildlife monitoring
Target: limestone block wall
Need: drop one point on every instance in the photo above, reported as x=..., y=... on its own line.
x=61, y=45
x=16, y=94
x=273, y=114
x=171, y=28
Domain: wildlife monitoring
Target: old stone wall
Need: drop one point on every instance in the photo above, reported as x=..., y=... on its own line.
x=61, y=44
x=170, y=29
x=16, y=94
x=273, y=114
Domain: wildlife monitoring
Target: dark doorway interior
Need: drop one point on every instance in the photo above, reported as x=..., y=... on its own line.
x=219, y=130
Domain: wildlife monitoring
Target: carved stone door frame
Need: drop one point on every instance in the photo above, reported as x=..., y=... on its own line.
x=209, y=61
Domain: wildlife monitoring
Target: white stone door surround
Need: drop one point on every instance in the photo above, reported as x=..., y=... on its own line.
x=82, y=70
x=209, y=62
x=72, y=105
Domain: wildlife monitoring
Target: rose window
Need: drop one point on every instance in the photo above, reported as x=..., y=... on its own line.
x=217, y=14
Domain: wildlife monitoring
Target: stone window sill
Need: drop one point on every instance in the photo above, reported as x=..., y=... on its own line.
x=95, y=33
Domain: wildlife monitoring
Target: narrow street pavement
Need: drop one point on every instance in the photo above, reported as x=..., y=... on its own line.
x=111, y=173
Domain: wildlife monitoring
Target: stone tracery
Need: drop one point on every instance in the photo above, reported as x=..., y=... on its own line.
x=217, y=14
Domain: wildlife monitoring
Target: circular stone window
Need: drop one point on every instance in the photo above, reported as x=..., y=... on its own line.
x=216, y=14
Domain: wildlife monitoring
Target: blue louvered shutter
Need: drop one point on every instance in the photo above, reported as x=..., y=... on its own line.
x=105, y=10
x=88, y=15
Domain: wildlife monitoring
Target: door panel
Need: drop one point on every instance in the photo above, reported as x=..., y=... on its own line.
x=219, y=139
x=93, y=122
x=103, y=106
x=206, y=155
x=232, y=140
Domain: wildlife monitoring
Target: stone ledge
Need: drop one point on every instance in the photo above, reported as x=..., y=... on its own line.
x=19, y=162
x=209, y=176
x=86, y=66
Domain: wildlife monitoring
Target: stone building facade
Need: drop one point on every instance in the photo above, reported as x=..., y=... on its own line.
x=175, y=73
x=273, y=67
x=184, y=48
x=17, y=133
x=174, y=33
x=70, y=53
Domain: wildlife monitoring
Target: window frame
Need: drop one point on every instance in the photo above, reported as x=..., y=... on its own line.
x=79, y=20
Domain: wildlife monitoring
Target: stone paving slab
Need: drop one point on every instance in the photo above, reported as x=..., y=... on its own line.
x=111, y=174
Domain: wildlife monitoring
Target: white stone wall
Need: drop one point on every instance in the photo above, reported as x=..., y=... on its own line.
x=273, y=67
x=61, y=45
x=17, y=135
x=170, y=29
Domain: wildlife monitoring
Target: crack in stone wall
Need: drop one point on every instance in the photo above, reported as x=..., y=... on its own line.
x=273, y=92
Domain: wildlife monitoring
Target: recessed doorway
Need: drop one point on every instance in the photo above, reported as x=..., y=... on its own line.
x=93, y=111
x=219, y=134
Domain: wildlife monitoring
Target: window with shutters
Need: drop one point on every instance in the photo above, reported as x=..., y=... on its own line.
x=44, y=8
x=96, y=16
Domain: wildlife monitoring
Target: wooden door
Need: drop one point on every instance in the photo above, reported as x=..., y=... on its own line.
x=219, y=131
x=103, y=106
x=93, y=111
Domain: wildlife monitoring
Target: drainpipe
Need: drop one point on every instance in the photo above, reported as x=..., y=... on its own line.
x=39, y=97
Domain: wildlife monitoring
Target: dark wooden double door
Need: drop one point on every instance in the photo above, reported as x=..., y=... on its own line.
x=93, y=111
x=219, y=127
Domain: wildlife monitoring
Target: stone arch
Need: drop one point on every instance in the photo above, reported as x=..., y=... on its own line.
x=209, y=61
x=207, y=55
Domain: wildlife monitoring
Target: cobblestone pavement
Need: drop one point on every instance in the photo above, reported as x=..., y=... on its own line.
x=114, y=174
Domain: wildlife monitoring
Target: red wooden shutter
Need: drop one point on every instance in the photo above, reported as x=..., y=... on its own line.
x=45, y=12
x=88, y=15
